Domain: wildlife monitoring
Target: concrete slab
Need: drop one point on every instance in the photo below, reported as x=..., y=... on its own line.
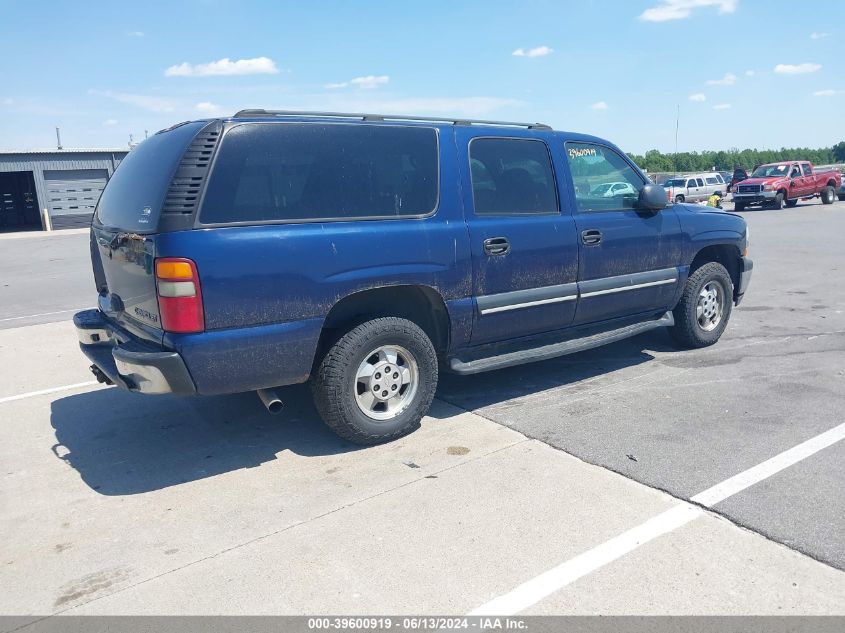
x=707, y=567
x=41, y=357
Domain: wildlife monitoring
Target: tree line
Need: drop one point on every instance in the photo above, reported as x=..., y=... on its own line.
x=655, y=161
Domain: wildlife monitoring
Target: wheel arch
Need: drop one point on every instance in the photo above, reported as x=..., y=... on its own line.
x=728, y=255
x=420, y=304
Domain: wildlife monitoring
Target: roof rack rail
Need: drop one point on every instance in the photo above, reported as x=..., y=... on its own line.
x=383, y=117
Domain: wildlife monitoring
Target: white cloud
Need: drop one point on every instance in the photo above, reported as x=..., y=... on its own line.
x=698, y=97
x=367, y=82
x=817, y=36
x=208, y=108
x=722, y=106
x=540, y=51
x=7, y=101
x=826, y=93
x=145, y=102
x=728, y=80
x=136, y=34
x=599, y=105
x=749, y=73
x=224, y=67
x=797, y=69
x=110, y=122
x=667, y=10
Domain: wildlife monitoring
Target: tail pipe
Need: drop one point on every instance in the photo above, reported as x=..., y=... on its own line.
x=270, y=400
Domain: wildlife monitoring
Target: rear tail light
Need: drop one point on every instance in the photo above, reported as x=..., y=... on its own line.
x=179, y=295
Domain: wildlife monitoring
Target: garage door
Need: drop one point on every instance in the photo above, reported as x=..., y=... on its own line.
x=72, y=195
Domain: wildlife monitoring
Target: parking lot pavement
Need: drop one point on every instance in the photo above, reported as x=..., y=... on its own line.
x=119, y=503
x=681, y=420
x=44, y=277
x=115, y=503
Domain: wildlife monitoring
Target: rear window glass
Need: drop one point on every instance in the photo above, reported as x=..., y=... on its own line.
x=301, y=172
x=511, y=177
x=134, y=195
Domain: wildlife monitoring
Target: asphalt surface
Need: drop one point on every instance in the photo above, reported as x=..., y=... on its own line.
x=43, y=278
x=681, y=421
x=119, y=503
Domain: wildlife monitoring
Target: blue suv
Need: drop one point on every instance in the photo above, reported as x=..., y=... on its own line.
x=366, y=253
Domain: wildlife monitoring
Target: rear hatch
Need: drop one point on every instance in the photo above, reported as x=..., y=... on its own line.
x=154, y=189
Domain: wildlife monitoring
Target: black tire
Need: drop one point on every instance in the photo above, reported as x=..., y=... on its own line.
x=828, y=195
x=739, y=206
x=334, y=383
x=687, y=331
x=791, y=203
x=679, y=199
x=842, y=197
x=778, y=202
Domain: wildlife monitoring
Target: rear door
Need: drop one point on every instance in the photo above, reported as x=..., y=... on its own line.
x=123, y=233
x=524, y=249
x=628, y=259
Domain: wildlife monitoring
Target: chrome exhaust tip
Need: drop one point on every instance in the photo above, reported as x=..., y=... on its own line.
x=270, y=400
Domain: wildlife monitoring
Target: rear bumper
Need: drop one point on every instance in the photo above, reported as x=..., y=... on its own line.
x=128, y=363
x=746, y=265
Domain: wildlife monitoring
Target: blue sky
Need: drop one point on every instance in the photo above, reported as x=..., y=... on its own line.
x=746, y=73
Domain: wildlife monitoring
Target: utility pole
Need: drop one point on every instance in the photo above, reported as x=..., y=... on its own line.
x=58, y=139
x=677, y=126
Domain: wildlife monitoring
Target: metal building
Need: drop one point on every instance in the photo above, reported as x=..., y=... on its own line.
x=66, y=183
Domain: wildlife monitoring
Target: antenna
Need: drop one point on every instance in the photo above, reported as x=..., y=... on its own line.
x=58, y=139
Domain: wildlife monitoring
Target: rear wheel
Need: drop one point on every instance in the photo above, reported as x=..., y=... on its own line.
x=377, y=381
x=828, y=195
x=705, y=307
x=791, y=203
x=679, y=198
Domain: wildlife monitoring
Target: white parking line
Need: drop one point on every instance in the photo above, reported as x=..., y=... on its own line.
x=32, y=316
x=779, y=462
x=41, y=392
x=531, y=592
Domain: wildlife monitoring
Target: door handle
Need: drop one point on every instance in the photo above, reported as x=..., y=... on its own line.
x=496, y=246
x=591, y=237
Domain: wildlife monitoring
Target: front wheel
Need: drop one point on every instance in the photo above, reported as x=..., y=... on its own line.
x=778, y=202
x=704, y=309
x=842, y=197
x=828, y=195
x=739, y=206
x=377, y=381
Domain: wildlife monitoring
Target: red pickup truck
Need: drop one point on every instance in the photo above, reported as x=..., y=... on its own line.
x=779, y=184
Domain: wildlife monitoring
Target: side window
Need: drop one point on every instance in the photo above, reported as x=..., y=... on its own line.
x=511, y=176
x=604, y=181
x=719, y=179
x=308, y=171
x=691, y=182
x=808, y=170
x=700, y=182
x=712, y=181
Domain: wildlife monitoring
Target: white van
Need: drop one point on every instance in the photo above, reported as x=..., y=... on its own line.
x=695, y=187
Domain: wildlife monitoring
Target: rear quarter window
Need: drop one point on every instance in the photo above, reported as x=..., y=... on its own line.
x=134, y=195
x=299, y=172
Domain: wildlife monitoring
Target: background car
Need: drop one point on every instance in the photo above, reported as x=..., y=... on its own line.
x=738, y=176
x=841, y=191
x=610, y=189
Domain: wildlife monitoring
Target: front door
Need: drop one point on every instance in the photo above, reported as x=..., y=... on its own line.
x=524, y=249
x=628, y=259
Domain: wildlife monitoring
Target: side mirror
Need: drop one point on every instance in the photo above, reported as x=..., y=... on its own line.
x=652, y=197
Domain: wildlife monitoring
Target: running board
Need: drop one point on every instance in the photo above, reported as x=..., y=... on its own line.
x=554, y=350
